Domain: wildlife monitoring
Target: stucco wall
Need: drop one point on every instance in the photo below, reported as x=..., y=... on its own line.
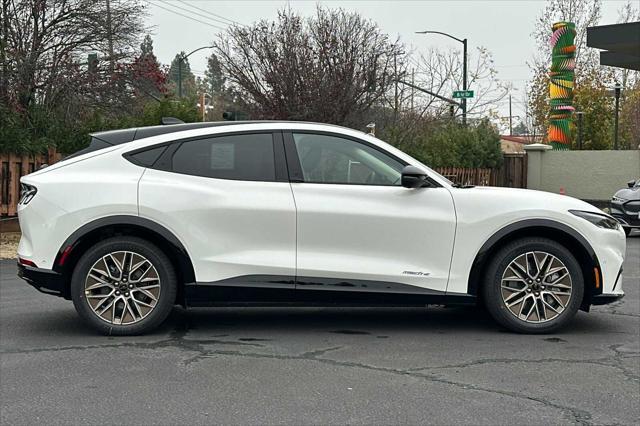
x=588, y=175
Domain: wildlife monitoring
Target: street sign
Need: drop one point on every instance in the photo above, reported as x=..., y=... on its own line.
x=462, y=94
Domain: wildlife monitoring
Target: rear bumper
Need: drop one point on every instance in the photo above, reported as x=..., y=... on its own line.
x=44, y=280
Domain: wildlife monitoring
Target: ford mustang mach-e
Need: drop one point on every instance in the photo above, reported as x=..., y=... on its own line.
x=290, y=213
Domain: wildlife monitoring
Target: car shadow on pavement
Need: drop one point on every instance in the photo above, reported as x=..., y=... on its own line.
x=283, y=322
x=366, y=320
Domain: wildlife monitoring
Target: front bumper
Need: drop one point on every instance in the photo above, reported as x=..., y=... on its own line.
x=614, y=296
x=605, y=299
x=627, y=213
x=44, y=280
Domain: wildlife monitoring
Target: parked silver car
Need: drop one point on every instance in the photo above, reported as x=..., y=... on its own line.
x=625, y=206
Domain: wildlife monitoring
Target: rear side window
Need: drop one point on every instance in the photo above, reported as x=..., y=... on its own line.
x=238, y=157
x=147, y=157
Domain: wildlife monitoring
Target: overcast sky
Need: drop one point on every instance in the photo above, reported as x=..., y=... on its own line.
x=504, y=27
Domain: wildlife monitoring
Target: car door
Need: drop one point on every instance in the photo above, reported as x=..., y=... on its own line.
x=228, y=199
x=357, y=228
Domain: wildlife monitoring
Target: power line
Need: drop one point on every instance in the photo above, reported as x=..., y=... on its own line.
x=184, y=16
x=191, y=13
x=212, y=14
x=197, y=13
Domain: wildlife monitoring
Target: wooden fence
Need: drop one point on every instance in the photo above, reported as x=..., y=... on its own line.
x=12, y=168
x=513, y=173
x=467, y=176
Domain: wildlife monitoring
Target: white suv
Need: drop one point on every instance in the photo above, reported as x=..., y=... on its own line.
x=290, y=213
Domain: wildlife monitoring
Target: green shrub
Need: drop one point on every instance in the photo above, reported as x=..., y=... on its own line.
x=36, y=131
x=450, y=144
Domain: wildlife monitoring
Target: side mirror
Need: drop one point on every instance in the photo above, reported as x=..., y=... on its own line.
x=631, y=183
x=413, y=177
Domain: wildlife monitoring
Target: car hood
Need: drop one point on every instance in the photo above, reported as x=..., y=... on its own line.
x=629, y=193
x=523, y=199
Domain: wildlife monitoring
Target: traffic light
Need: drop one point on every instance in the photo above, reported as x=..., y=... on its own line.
x=452, y=111
x=229, y=115
x=234, y=116
x=92, y=61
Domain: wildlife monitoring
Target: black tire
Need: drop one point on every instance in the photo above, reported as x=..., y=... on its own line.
x=492, y=285
x=153, y=254
x=627, y=230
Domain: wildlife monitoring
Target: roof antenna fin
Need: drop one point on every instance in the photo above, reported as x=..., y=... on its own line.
x=171, y=120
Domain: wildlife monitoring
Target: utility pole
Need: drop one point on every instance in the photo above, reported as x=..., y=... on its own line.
x=413, y=80
x=464, y=81
x=615, y=136
x=510, y=118
x=3, y=50
x=180, y=75
x=395, y=96
x=579, y=114
x=110, y=39
x=202, y=106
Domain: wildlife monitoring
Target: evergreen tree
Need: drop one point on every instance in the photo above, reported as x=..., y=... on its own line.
x=214, y=79
x=146, y=49
x=188, y=79
x=146, y=75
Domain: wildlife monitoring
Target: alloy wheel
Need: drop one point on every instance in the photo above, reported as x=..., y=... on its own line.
x=536, y=287
x=122, y=287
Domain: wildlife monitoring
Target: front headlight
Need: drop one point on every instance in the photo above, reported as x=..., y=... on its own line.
x=618, y=199
x=600, y=220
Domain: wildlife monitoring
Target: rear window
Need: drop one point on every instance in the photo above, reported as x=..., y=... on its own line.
x=95, y=145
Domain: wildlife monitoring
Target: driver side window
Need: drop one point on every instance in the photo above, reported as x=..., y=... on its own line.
x=336, y=160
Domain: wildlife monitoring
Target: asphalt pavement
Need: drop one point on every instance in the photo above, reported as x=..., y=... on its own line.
x=318, y=366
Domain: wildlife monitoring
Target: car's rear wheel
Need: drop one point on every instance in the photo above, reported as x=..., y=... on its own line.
x=533, y=285
x=627, y=230
x=123, y=286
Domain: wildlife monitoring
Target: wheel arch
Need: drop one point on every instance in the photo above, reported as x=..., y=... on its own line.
x=87, y=235
x=556, y=231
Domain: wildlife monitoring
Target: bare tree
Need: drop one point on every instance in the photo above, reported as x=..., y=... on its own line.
x=47, y=42
x=440, y=72
x=332, y=67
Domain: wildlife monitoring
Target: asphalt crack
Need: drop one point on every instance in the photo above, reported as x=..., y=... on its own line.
x=178, y=339
x=573, y=414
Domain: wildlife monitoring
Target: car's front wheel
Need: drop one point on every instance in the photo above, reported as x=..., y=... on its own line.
x=533, y=285
x=123, y=286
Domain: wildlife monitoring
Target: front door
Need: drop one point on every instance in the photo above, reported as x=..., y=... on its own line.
x=357, y=228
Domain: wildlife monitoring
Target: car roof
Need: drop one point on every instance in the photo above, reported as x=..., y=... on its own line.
x=117, y=137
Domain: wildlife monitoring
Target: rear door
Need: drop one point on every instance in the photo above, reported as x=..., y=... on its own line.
x=228, y=199
x=358, y=229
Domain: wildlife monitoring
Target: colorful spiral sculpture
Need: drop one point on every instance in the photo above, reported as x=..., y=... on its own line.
x=563, y=63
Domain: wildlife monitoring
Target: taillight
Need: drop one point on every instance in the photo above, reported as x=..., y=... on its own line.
x=27, y=192
x=26, y=262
